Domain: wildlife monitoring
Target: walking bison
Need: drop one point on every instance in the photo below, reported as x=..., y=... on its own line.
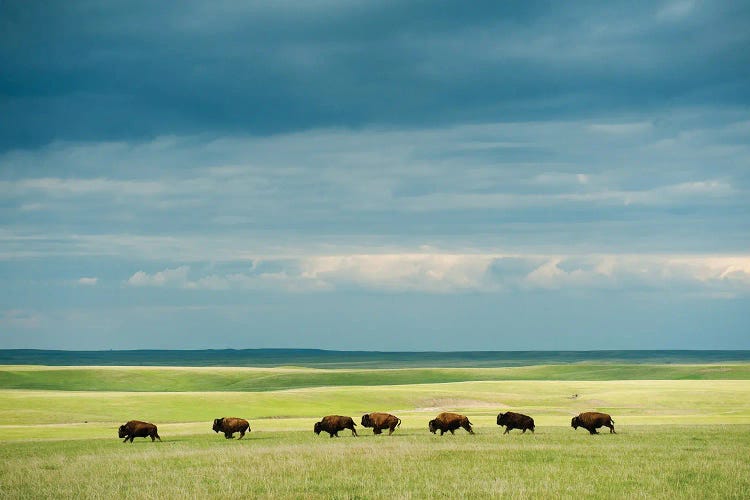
x=380, y=421
x=592, y=420
x=136, y=428
x=230, y=425
x=449, y=422
x=332, y=424
x=513, y=420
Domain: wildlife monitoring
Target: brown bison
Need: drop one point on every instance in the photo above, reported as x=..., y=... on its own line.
x=513, y=420
x=449, y=422
x=136, y=428
x=332, y=424
x=592, y=420
x=380, y=421
x=230, y=425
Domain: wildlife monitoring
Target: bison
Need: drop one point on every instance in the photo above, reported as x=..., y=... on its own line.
x=592, y=420
x=449, y=422
x=332, y=424
x=513, y=420
x=136, y=428
x=380, y=421
x=230, y=425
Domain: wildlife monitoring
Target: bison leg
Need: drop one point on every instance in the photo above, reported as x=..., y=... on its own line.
x=354, y=432
x=229, y=435
x=611, y=428
x=391, y=430
x=157, y=436
x=132, y=437
x=376, y=430
x=468, y=429
x=507, y=430
x=242, y=434
x=593, y=431
x=126, y=439
x=524, y=430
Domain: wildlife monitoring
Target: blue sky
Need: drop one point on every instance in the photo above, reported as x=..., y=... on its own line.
x=375, y=175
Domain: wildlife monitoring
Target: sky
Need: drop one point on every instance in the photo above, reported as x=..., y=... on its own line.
x=375, y=175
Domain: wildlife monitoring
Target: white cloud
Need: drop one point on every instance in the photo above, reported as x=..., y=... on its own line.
x=621, y=128
x=649, y=271
x=87, y=281
x=211, y=282
x=708, y=187
x=688, y=192
x=169, y=277
x=675, y=11
x=15, y=318
x=548, y=275
x=414, y=272
x=436, y=272
x=562, y=179
x=32, y=207
x=78, y=187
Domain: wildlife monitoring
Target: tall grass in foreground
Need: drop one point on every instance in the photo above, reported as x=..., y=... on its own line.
x=644, y=462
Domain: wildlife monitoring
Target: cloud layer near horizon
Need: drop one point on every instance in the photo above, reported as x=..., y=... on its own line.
x=450, y=273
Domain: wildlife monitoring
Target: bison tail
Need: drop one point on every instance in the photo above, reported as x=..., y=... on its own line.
x=399, y=422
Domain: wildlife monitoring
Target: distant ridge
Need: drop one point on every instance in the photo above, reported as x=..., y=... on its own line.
x=356, y=359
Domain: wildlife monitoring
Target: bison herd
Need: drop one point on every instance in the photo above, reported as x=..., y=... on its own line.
x=332, y=424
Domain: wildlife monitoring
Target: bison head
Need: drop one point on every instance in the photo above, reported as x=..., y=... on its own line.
x=218, y=422
x=433, y=425
x=500, y=418
x=574, y=423
x=122, y=431
x=318, y=427
x=366, y=421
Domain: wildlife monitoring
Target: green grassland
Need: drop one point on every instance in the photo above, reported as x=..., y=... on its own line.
x=176, y=379
x=316, y=358
x=683, y=431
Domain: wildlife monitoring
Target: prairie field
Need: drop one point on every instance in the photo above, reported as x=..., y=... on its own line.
x=682, y=431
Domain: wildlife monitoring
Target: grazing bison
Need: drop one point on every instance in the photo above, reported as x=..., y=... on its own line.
x=513, y=420
x=449, y=422
x=380, y=421
x=592, y=420
x=332, y=424
x=136, y=428
x=230, y=425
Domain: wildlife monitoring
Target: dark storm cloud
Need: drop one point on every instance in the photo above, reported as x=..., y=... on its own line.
x=93, y=71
